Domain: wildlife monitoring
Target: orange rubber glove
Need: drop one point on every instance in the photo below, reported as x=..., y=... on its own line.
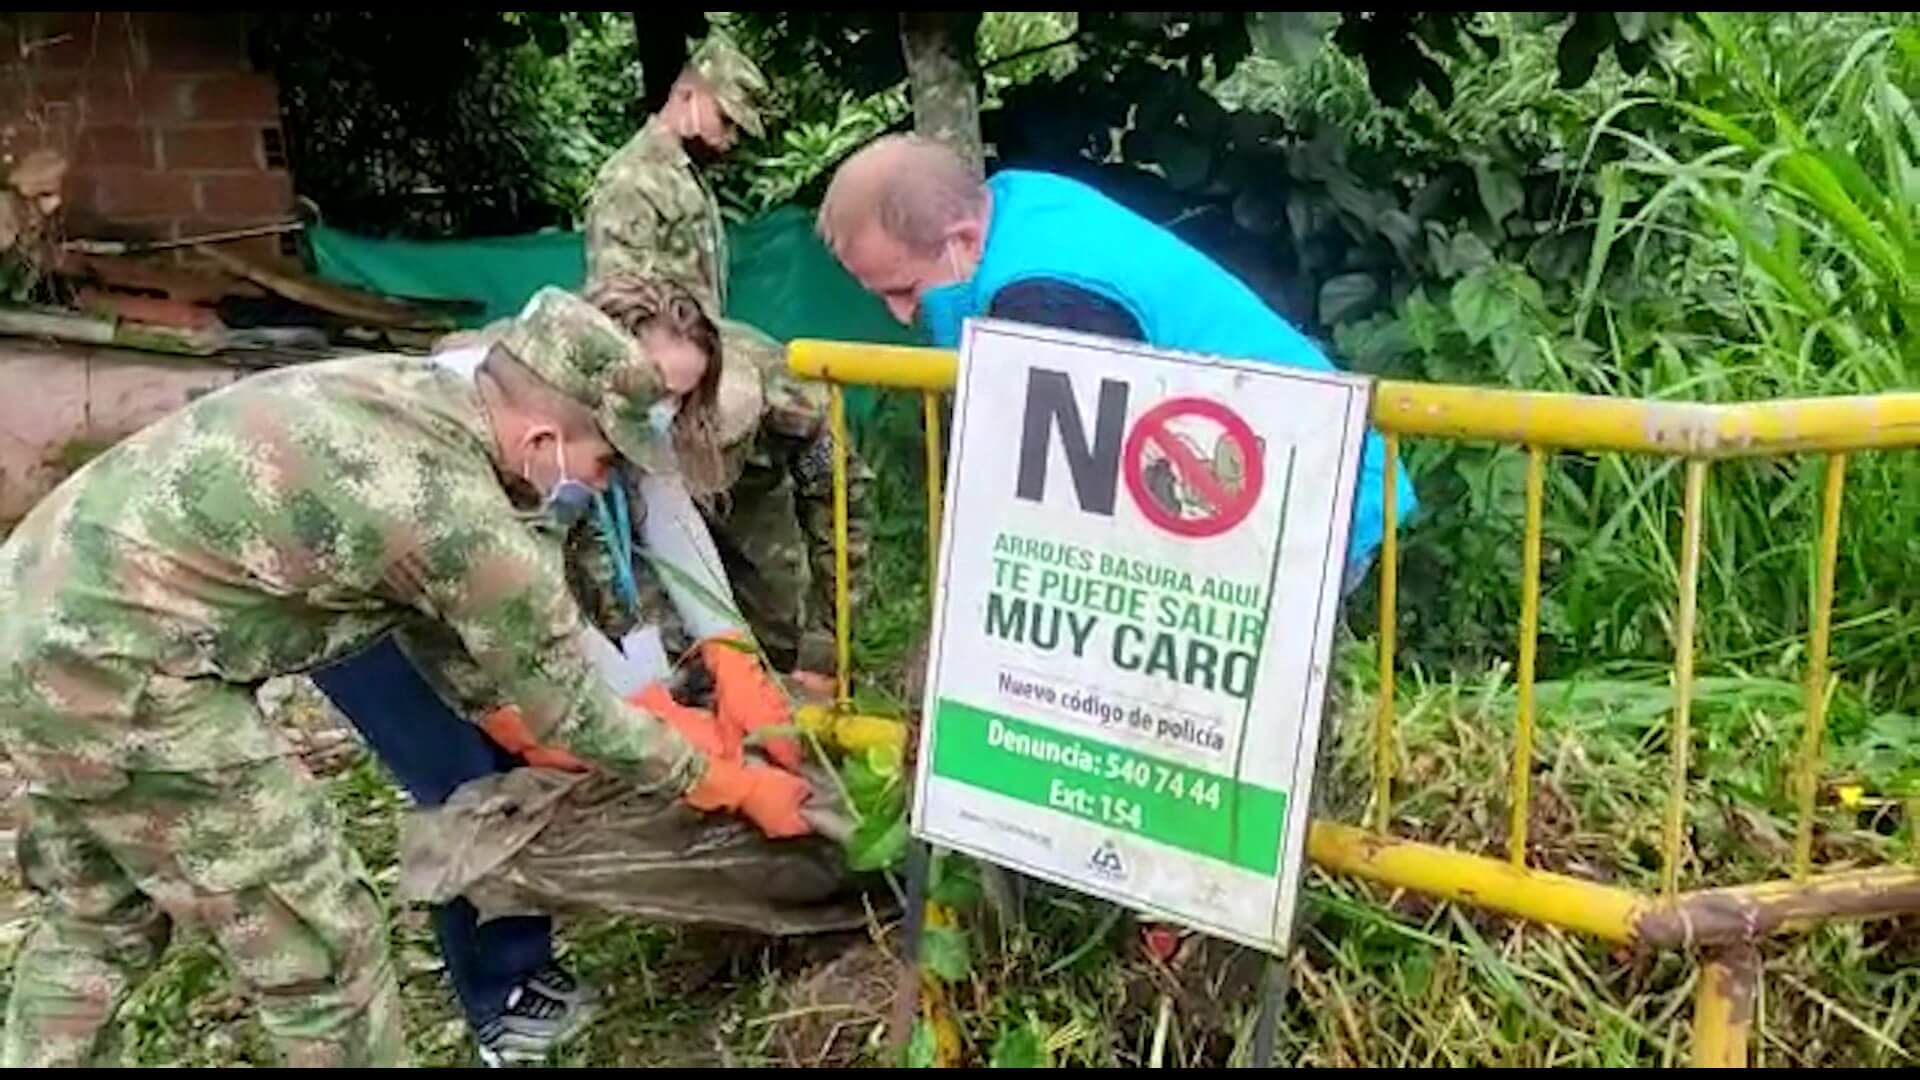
x=745, y=699
x=697, y=726
x=770, y=798
x=506, y=727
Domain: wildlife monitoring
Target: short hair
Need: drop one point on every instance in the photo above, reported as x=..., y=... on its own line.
x=913, y=187
x=528, y=392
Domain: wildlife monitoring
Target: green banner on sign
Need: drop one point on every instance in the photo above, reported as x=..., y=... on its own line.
x=1116, y=786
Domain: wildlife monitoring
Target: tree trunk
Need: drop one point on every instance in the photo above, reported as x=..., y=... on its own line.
x=660, y=42
x=944, y=71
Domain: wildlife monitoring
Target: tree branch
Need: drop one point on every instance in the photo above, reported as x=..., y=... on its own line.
x=1033, y=50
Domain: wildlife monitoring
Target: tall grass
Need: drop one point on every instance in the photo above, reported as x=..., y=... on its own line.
x=1753, y=237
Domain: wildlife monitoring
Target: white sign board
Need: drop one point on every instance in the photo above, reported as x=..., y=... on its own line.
x=1138, y=588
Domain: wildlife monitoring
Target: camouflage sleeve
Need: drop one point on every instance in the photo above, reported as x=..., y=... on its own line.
x=502, y=593
x=441, y=659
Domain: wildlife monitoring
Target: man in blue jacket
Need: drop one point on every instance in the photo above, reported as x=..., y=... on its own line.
x=917, y=228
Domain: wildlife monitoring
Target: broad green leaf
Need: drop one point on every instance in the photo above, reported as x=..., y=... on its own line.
x=1500, y=191
x=953, y=883
x=872, y=793
x=1481, y=306
x=878, y=842
x=1295, y=37
x=1021, y=1045
x=1400, y=230
x=944, y=951
x=1462, y=253
x=1580, y=47
x=1426, y=323
x=885, y=760
x=1347, y=295
x=922, y=1048
x=1416, y=973
x=1372, y=344
x=1517, y=355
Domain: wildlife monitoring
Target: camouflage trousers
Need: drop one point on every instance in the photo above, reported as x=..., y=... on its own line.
x=766, y=562
x=251, y=852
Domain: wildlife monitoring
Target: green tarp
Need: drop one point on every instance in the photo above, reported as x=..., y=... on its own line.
x=783, y=280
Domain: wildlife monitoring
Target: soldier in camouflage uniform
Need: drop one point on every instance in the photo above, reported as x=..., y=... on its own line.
x=267, y=529
x=652, y=212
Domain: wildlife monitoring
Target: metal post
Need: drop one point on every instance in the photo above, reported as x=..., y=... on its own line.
x=1819, y=641
x=1519, y=798
x=1383, y=719
x=1274, y=983
x=842, y=588
x=1680, y=733
x=1723, y=1007
x=906, y=992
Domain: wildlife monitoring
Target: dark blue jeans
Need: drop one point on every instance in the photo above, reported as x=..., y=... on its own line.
x=432, y=751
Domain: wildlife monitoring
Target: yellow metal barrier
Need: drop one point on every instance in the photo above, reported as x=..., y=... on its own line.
x=1725, y=925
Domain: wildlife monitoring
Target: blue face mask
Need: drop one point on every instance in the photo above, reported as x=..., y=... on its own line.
x=944, y=308
x=569, y=500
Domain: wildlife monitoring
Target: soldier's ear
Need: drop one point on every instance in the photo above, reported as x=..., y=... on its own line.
x=969, y=235
x=537, y=443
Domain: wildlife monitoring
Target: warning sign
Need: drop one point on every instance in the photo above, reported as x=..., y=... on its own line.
x=1139, y=580
x=1176, y=487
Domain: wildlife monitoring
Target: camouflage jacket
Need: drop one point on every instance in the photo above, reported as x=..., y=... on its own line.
x=650, y=212
x=789, y=447
x=274, y=526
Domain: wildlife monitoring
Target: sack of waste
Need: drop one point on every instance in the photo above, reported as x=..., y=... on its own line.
x=542, y=841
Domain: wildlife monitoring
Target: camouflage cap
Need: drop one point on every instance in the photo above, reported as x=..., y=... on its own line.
x=578, y=350
x=736, y=81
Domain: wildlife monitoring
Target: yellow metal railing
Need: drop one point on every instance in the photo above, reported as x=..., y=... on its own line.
x=1725, y=925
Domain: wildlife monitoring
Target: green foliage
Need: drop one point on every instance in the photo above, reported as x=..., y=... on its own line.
x=1739, y=231
x=877, y=787
x=945, y=953
x=1021, y=1045
x=451, y=124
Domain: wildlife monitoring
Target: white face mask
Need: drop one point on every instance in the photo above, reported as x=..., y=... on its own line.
x=463, y=361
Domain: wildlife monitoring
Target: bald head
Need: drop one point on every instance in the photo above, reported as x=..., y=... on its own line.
x=904, y=214
x=912, y=187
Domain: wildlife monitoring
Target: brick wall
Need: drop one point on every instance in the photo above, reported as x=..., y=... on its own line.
x=167, y=129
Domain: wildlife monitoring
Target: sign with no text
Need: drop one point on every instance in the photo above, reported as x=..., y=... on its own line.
x=1138, y=590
